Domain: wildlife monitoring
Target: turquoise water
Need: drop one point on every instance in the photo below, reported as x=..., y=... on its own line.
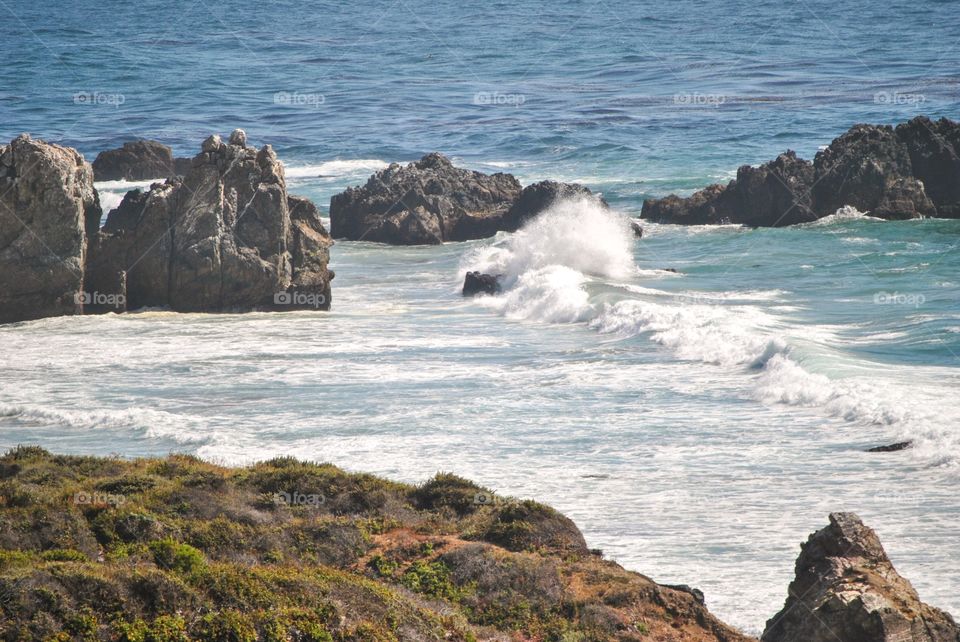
x=696, y=424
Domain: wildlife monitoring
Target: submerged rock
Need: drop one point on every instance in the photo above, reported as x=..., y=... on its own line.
x=891, y=448
x=475, y=283
x=222, y=238
x=47, y=204
x=426, y=202
x=847, y=590
x=912, y=171
x=139, y=160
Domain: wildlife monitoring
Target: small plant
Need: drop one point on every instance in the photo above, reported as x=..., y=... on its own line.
x=429, y=578
x=63, y=555
x=226, y=626
x=172, y=555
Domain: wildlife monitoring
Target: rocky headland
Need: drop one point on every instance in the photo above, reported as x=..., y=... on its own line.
x=177, y=549
x=903, y=172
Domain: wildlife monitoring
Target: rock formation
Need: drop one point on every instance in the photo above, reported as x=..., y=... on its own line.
x=139, y=160
x=431, y=201
x=47, y=201
x=475, y=283
x=910, y=171
x=222, y=238
x=846, y=590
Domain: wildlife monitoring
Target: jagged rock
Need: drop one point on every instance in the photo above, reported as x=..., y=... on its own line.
x=537, y=198
x=221, y=238
x=637, y=229
x=869, y=168
x=47, y=201
x=426, y=202
x=934, y=149
x=772, y=195
x=912, y=171
x=139, y=160
x=475, y=283
x=846, y=590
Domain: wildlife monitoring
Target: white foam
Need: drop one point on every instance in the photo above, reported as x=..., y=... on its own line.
x=845, y=214
x=336, y=168
x=112, y=192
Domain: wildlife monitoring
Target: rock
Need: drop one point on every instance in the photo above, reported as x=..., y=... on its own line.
x=426, y=202
x=222, y=238
x=238, y=137
x=138, y=160
x=934, y=149
x=637, y=229
x=476, y=283
x=912, y=171
x=772, y=195
x=47, y=202
x=537, y=198
x=847, y=590
x=891, y=448
x=869, y=168
x=695, y=592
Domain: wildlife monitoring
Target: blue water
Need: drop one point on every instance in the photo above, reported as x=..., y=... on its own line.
x=696, y=424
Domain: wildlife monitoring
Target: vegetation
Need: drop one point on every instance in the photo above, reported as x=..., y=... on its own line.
x=177, y=549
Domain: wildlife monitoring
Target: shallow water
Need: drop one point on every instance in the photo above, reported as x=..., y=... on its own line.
x=697, y=424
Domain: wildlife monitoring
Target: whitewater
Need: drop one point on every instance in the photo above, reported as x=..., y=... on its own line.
x=697, y=401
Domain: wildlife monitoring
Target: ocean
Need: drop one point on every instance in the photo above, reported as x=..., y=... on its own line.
x=697, y=401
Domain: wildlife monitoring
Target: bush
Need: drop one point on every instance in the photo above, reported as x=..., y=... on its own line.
x=226, y=626
x=172, y=555
x=429, y=578
x=63, y=555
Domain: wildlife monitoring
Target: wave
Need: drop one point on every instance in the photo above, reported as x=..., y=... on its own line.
x=335, y=168
x=574, y=264
x=845, y=214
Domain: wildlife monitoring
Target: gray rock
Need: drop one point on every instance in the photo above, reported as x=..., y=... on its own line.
x=537, y=198
x=847, y=590
x=238, y=137
x=47, y=201
x=220, y=239
x=138, y=160
x=426, y=202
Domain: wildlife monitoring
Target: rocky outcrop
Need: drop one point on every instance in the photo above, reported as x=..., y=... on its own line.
x=426, y=202
x=475, y=283
x=912, y=171
x=869, y=168
x=772, y=195
x=431, y=201
x=222, y=238
x=47, y=202
x=846, y=590
x=139, y=160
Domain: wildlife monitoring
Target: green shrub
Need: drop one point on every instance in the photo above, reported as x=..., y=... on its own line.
x=226, y=626
x=63, y=555
x=429, y=578
x=172, y=555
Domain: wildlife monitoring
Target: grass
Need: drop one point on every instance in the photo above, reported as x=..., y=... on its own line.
x=177, y=549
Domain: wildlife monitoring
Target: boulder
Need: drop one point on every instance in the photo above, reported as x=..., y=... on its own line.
x=537, y=198
x=138, y=160
x=869, y=168
x=847, y=590
x=426, y=202
x=475, y=283
x=934, y=149
x=222, y=238
x=47, y=202
x=775, y=194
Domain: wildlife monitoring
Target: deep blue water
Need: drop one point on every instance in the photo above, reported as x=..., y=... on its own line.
x=697, y=425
